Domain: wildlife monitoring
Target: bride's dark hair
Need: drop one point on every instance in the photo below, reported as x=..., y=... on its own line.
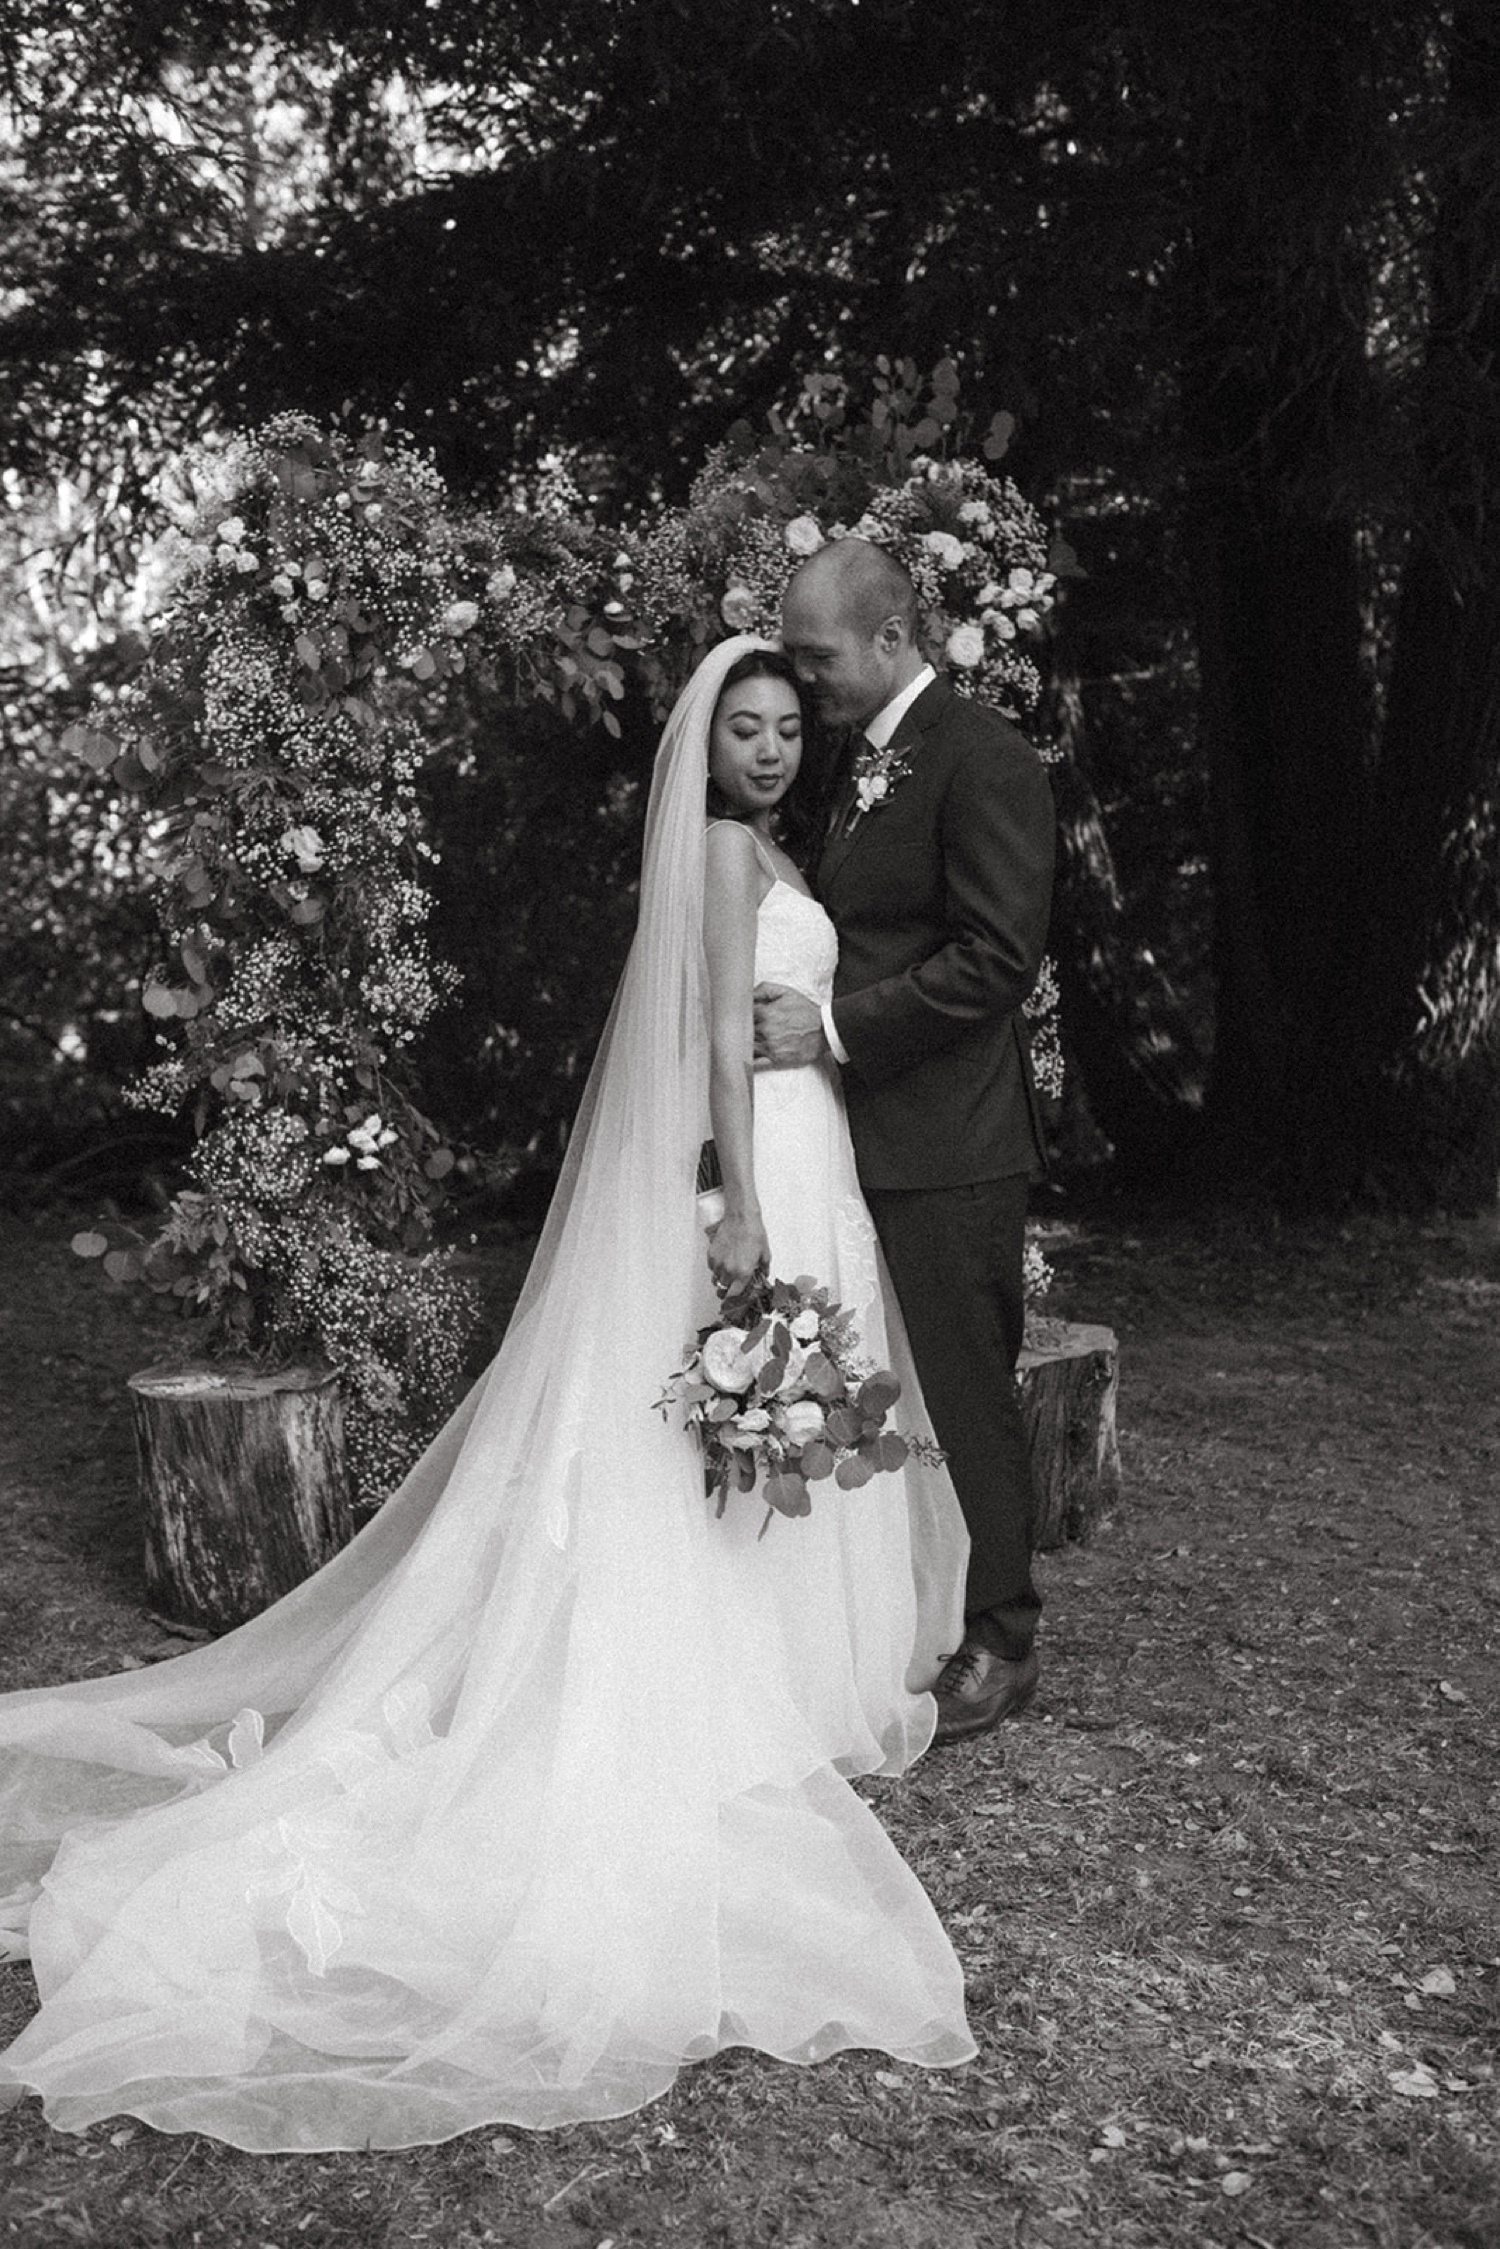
x=796, y=814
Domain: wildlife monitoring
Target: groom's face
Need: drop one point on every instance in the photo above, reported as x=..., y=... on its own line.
x=847, y=671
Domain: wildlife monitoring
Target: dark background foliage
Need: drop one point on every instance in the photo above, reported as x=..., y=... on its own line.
x=1233, y=268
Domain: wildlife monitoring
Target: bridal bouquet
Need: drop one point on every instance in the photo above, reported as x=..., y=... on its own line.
x=776, y=1387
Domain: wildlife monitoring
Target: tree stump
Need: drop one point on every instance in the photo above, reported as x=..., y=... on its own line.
x=243, y=1486
x=1069, y=1377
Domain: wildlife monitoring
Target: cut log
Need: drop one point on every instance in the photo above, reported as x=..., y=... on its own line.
x=1069, y=1377
x=243, y=1486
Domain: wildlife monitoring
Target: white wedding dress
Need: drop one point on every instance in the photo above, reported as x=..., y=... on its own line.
x=536, y=1791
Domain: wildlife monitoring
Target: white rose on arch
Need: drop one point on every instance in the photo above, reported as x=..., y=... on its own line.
x=739, y=609
x=460, y=617
x=804, y=535
x=966, y=646
x=306, y=847
x=949, y=551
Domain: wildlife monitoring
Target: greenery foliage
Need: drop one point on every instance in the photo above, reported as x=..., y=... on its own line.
x=273, y=738
x=902, y=474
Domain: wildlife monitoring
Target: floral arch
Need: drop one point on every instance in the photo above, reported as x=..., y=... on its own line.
x=323, y=595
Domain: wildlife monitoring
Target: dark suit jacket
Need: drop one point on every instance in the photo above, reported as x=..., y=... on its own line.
x=940, y=896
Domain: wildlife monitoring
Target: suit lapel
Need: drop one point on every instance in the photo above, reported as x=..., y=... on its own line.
x=843, y=840
x=841, y=793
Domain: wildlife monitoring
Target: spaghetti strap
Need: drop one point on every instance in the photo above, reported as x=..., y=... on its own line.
x=760, y=850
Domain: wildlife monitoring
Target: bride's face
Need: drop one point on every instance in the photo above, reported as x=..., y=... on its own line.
x=755, y=743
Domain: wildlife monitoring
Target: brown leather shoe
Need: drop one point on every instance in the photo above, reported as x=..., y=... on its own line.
x=977, y=1688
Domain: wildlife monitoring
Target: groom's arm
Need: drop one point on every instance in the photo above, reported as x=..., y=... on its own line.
x=997, y=841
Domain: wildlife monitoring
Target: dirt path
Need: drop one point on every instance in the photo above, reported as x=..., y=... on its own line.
x=1226, y=1897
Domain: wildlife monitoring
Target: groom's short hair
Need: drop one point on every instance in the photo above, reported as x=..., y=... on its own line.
x=871, y=584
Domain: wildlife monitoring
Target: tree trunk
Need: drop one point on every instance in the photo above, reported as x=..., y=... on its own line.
x=1274, y=380
x=242, y=1484
x=1433, y=943
x=1113, y=1019
x=1069, y=1377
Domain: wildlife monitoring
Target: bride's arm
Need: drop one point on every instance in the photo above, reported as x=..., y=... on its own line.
x=732, y=884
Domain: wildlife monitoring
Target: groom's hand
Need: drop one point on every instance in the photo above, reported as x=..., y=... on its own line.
x=788, y=1028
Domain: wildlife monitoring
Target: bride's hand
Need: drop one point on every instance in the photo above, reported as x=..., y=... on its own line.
x=737, y=1251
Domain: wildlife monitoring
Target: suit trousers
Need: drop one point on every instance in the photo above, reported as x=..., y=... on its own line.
x=955, y=1258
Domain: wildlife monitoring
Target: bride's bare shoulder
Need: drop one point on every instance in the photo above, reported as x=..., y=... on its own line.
x=732, y=862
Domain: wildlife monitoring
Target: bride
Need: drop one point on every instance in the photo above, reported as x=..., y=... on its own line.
x=539, y=1789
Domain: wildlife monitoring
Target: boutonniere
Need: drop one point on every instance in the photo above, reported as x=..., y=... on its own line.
x=877, y=774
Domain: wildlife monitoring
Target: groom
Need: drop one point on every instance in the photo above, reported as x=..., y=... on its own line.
x=939, y=886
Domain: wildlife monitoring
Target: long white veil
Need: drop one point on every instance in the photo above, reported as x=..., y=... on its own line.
x=491, y=1817
x=644, y=1112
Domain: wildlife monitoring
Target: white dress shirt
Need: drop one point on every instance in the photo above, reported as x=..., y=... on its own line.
x=886, y=720
x=878, y=733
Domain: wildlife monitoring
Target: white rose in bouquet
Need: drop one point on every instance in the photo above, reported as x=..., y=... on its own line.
x=802, y=1420
x=725, y=1363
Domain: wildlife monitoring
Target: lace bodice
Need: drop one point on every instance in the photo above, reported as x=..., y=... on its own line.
x=795, y=943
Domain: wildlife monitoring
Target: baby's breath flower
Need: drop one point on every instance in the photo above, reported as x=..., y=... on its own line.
x=295, y=1236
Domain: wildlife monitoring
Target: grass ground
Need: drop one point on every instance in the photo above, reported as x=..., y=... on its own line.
x=1226, y=1897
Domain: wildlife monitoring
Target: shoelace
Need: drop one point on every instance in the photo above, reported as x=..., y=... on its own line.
x=959, y=1668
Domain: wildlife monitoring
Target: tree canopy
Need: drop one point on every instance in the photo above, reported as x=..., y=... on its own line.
x=1233, y=269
